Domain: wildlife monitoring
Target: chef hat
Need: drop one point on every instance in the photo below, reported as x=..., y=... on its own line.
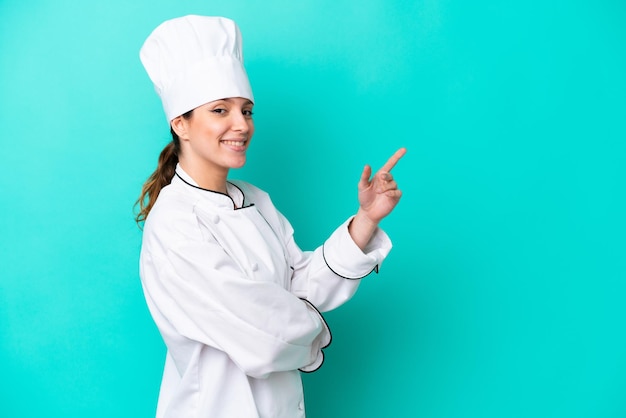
x=193, y=60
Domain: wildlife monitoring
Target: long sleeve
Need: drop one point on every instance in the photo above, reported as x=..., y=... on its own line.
x=329, y=276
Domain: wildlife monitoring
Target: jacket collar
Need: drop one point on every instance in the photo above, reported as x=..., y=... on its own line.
x=235, y=198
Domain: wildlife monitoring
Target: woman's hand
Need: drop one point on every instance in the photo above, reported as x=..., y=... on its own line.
x=377, y=198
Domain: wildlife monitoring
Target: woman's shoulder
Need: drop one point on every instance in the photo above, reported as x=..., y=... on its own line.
x=173, y=200
x=172, y=214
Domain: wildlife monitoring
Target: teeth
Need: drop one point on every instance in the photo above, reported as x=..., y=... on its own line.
x=235, y=143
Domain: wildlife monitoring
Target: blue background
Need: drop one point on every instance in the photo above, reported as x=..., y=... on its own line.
x=504, y=294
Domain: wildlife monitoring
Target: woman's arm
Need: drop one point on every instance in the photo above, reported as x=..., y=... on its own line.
x=328, y=276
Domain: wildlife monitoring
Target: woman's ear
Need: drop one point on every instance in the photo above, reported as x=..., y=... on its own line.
x=180, y=126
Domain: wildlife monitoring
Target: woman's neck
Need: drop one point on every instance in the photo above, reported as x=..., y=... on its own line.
x=210, y=178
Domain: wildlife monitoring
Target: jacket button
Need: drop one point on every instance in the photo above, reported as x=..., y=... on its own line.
x=254, y=266
x=301, y=406
x=216, y=219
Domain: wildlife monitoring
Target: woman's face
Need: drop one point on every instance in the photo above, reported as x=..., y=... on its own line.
x=217, y=135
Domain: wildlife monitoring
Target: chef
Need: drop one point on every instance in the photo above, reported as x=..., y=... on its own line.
x=235, y=299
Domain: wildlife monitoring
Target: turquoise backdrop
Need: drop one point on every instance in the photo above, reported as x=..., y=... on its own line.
x=505, y=293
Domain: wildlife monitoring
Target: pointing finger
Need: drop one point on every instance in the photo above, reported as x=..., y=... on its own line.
x=391, y=162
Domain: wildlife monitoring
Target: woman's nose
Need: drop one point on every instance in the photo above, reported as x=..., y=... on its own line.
x=240, y=123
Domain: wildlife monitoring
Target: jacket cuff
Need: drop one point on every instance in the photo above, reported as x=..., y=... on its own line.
x=322, y=341
x=344, y=258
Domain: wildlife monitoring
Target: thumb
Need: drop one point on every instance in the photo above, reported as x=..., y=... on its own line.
x=364, y=182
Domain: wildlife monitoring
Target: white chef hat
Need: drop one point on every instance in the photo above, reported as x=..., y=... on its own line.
x=193, y=60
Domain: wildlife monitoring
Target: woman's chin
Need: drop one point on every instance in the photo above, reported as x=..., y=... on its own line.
x=237, y=163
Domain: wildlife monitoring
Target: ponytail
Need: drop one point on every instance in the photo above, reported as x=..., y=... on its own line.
x=161, y=177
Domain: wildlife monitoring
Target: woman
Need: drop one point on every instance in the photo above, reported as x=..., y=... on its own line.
x=236, y=301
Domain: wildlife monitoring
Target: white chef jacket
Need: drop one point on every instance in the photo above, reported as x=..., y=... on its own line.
x=237, y=302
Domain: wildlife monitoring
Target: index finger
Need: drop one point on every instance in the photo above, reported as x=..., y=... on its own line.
x=391, y=162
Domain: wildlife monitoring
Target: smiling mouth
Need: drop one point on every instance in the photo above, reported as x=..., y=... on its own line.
x=234, y=143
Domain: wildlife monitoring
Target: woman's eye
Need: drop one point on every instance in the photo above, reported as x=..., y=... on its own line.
x=247, y=113
x=219, y=111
